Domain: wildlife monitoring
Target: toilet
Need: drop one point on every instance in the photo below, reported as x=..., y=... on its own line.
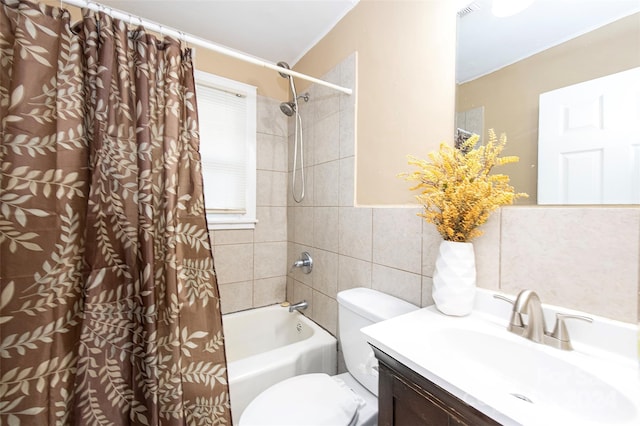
x=349, y=399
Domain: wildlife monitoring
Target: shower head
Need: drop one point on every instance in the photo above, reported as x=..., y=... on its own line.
x=283, y=64
x=288, y=108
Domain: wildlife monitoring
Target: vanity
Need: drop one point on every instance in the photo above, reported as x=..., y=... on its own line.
x=407, y=398
x=441, y=370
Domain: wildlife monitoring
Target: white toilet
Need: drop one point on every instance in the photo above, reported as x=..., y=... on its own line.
x=348, y=399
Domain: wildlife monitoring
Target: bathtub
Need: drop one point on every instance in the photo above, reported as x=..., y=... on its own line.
x=267, y=345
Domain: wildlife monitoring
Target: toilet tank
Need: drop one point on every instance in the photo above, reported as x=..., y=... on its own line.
x=358, y=308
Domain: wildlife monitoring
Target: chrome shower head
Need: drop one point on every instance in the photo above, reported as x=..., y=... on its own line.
x=283, y=64
x=288, y=108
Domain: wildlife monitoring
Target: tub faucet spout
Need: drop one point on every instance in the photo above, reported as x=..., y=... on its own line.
x=300, y=306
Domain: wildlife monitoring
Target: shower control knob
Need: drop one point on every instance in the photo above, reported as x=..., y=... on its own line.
x=305, y=262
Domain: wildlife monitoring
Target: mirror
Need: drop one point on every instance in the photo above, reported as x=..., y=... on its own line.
x=504, y=64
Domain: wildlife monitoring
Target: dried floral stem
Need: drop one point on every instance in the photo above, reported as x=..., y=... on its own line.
x=458, y=191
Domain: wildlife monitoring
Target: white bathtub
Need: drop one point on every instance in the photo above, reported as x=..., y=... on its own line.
x=267, y=345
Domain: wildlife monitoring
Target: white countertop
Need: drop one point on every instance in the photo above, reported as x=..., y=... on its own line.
x=476, y=359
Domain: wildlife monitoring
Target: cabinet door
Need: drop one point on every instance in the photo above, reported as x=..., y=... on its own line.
x=406, y=405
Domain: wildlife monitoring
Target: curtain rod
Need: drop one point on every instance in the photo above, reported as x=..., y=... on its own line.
x=188, y=38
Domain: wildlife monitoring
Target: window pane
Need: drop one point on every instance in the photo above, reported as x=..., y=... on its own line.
x=227, y=123
x=222, y=118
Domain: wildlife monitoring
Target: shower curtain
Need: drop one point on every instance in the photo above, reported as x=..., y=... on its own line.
x=109, y=306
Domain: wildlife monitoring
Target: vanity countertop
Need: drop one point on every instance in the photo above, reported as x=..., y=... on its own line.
x=516, y=381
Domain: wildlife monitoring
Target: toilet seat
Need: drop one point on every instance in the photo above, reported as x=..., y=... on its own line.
x=309, y=399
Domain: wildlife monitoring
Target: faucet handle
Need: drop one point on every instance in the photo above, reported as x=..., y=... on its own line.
x=305, y=262
x=560, y=332
x=505, y=298
x=515, y=322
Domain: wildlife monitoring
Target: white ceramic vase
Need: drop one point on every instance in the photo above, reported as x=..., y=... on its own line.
x=454, y=278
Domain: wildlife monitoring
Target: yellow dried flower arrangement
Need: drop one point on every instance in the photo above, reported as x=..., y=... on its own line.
x=457, y=190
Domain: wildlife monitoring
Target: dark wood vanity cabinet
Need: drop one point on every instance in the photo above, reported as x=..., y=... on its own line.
x=405, y=398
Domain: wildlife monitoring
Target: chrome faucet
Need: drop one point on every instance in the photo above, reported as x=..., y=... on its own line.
x=300, y=306
x=528, y=303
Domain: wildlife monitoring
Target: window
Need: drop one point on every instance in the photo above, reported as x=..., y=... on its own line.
x=227, y=121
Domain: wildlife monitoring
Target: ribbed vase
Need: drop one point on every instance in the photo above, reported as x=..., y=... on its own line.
x=454, y=279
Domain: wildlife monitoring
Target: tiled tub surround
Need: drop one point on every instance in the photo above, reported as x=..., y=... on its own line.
x=585, y=258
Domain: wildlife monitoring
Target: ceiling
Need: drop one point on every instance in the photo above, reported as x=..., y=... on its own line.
x=487, y=43
x=271, y=30
x=284, y=30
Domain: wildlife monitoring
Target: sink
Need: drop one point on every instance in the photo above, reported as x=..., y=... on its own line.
x=514, y=380
x=531, y=374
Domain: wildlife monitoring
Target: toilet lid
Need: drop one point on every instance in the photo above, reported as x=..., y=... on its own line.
x=309, y=399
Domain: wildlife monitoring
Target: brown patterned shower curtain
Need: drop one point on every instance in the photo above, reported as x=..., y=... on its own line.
x=109, y=306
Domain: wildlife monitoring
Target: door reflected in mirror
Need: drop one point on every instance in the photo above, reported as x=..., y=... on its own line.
x=588, y=148
x=505, y=64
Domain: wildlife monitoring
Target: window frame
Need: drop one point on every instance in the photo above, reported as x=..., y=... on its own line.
x=247, y=220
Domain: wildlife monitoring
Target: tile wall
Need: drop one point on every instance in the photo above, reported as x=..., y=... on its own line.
x=582, y=258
